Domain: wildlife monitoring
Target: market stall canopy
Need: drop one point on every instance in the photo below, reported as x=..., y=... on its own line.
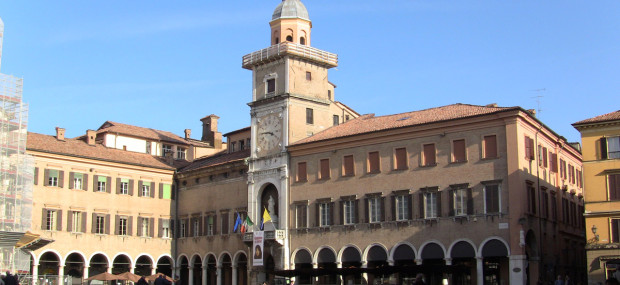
x=105, y=277
x=22, y=240
x=154, y=276
x=129, y=276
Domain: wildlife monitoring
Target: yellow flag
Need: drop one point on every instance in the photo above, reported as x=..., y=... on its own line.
x=266, y=216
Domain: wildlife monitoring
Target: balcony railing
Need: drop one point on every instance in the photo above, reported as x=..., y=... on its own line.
x=277, y=51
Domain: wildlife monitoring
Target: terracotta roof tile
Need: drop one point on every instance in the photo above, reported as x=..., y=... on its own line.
x=238, y=131
x=217, y=159
x=79, y=148
x=369, y=123
x=613, y=116
x=135, y=131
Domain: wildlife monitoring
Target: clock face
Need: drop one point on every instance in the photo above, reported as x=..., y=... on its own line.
x=269, y=133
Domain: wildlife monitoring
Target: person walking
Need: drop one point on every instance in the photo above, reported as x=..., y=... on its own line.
x=559, y=281
x=567, y=281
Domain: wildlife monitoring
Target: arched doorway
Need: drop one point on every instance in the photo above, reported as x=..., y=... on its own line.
x=433, y=261
x=211, y=270
x=351, y=264
x=226, y=263
x=269, y=201
x=495, y=262
x=378, y=265
x=184, y=270
x=303, y=265
x=326, y=263
x=197, y=270
x=48, y=267
x=404, y=262
x=97, y=264
x=74, y=266
x=463, y=257
x=164, y=265
x=144, y=266
x=121, y=264
x=242, y=269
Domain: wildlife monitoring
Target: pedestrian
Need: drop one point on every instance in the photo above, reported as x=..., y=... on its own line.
x=559, y=281
x=419, y=279
x=8, y=279
x=567, y=281
x=2, y=280
x=142, y=281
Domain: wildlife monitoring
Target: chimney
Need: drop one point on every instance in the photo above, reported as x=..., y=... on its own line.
x=90, y=137
x=60, y=134
x=209, y=131
x=492, y=105
x=532, y=112
x=188, y=133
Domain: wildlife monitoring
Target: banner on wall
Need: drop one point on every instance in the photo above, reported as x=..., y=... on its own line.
x=257, y=248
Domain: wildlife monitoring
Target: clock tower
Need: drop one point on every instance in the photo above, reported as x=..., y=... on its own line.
x=291, y=100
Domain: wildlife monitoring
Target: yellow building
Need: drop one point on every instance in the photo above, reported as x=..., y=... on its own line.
x=600, y=137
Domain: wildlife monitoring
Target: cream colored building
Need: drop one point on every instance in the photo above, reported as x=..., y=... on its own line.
x=600, y=137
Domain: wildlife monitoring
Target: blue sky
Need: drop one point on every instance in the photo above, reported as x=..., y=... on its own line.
x=166, y=64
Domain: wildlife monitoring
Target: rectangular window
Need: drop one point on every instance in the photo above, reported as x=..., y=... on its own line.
x=183, y=228
x=348, y=166
x=325, y=217
x=490, y=146
x=165, y=228
x=529, y=148
x=349, y=212
x=146, y=189
x=324, y=169
x=302, y=174
x=553, y=162
x=148, y=147
x=308, y=75
x=210, y=225
x=309, y=116
x=78, y=181
x=491, y=198
x=430, y=205
x=373, y=162
x=458, y=151
x=531, y=198
x=100, y=224
x=460, y=201
x=165, y=149
x=375, y=208
x=196, y=227
x=241, y=145
x=565, y=216
x=545, y=158
x=166, y=191
x=336, y=120
x=124, y=186
x=224, y=223
x=51, y=220
x=52, y=179
x=145, y=227
x=232, y=146
x=554, y=207
x=123, y=226
x=180, y=153
x=271, y=85
x=544, y=211
x=610, y=148
x=400, y=158
x=613, y=186
x=615, y=230
x=101, y=183
x=428, y=155
x=402, y=205
x=301, y=216
x=76, y=222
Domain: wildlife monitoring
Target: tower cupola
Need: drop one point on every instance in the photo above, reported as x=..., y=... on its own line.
x=290, y=23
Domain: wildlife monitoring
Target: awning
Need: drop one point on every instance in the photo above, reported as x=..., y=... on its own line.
x=21, y=240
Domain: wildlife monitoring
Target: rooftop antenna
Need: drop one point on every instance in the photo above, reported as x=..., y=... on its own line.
x=538, y=96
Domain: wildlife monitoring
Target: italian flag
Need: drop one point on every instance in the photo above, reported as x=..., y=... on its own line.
x=246, y=224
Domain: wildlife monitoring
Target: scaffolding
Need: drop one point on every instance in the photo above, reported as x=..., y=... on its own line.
x=16, y=173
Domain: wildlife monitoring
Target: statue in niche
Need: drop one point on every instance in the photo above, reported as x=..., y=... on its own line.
x=269, y=201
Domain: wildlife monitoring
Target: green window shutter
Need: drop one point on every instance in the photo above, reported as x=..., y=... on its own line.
x=167, y=191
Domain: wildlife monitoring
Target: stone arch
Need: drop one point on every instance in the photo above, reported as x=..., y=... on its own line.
x=180, y=257
x=487, y=240
x=211, y=263
x=52, y=251
x=317, y=253
x=76, y=252
x=121, y=263
x=206, y=257
x=74, y=264
x=392, y=256
x=103, y=254
x=165, y=268
x=376, y=244
x=49, y=262
x=144, y=264
x=240, y=260
x=429, y=244
x=302, y=254
x=225, y=263
x=460, y=241
x=237, y=255
x=192, y=260
x=340, y=256
x=290, y=35
x=98, y=262
x=222, y=255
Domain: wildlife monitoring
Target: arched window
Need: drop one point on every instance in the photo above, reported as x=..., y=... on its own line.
x=289, y=38
x=302, y=41
x=277, y=40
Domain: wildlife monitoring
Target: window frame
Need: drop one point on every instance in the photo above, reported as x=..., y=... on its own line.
x=123, y=225
x=100, y=224
x=301, y=214
x=325, y=213
x=460, y=200
x=431, y=195
x=302, y=176
x=400, y=209
x=373, y=166
x=309, y=116
x=328, y=170
x=613, y=180
x=165, y=149
x=53, y=180
x=345, y=171
x=146, y=188
x=349, y=212
x=181, y=153
x=51, y=220
x=405, y=164
x=486, y=189
x=453, y=148
x=424, y=161
x=485, y=155
x=375, y=209
x=124, y=186
x=76, y=222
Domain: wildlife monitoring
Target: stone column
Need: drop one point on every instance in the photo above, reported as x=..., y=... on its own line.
x=35, y=274
x=479, y=271
x=517, y=269
x=234, y=275
x=218, y=275
x=190, y=278
x=339, y=278
x=61, y=275
x=418, y=261
x=315, y=279
x=365, y=274
x=204, y=274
